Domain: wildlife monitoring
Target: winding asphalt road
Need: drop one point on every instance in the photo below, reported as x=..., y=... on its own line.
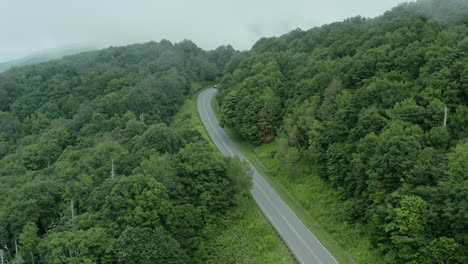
x=302, y=243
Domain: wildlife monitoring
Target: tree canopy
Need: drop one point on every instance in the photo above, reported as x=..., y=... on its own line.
x=91, y=170
x=379, y=107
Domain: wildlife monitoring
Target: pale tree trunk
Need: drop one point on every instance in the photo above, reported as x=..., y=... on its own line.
x=16, y=248
x=72, y=207
x=445, y=116
x=112, y=170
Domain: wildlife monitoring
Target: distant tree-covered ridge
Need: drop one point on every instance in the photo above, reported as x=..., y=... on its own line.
x=90, y=170
x=380, y=107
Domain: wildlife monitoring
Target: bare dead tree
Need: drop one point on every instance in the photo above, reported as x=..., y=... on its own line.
x=112, y=169
x=72, y=207
x=445, y=116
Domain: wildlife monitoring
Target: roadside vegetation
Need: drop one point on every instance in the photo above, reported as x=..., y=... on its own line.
x=363, y=123
x=360, y=125
x=315, y=202
x=103, y=159
x=245, y=236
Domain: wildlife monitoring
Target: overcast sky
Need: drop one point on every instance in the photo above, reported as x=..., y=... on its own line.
x=27, y=26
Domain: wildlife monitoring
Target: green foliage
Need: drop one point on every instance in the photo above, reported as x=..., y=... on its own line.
x=440, y=251
x=89, y=164
x=241, y=175
x=28, y=240
x=91, y=246
x=33, y=157
x=148, y=246
x=135, y=200
x=90, y=169
x=161, y=138
x=248, y=239
x=379, y=107
x=458, y=163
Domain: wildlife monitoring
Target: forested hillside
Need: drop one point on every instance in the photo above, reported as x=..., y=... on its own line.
x=91, y=171
x=379, y=107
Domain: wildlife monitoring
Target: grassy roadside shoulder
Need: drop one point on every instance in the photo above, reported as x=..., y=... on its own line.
x=248, y=237
x=313, y=201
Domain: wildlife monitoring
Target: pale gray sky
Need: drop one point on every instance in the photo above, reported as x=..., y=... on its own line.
x=27, y=26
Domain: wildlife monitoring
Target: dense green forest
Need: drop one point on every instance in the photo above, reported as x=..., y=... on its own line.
x=379, y=107
x=91, y=170
x=99, y=165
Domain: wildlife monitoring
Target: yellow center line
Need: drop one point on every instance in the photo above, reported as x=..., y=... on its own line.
x=287, y=222
x=277, y=230
x=265, y=194
x=216, y=132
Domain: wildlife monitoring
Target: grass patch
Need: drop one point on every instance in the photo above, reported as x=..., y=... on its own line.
x=248, y=237
x=314, y=202
x=188, y=116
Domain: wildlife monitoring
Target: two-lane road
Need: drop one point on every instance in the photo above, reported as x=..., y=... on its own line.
x=302, y=243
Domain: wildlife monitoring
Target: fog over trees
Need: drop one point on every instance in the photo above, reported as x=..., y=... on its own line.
x=99, y=163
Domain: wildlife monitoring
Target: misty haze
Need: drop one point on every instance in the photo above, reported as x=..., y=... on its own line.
x=233, y=132
x=32, y=26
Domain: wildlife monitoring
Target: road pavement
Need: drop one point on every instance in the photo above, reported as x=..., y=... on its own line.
x=303, y=244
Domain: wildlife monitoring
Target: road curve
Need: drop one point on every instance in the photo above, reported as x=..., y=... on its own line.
x=302, y=243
